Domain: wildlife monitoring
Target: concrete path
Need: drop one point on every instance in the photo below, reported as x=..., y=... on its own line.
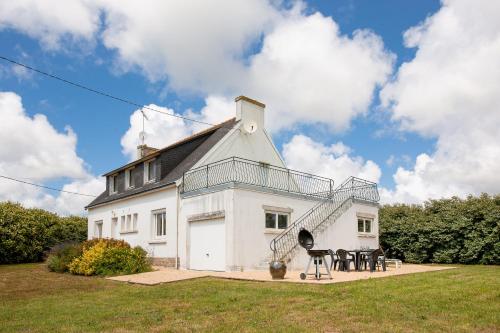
x=163, y=275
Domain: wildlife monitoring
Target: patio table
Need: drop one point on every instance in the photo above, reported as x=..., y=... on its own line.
x=357, y=257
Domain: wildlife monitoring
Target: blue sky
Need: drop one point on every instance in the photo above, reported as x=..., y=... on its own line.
x=100, y=123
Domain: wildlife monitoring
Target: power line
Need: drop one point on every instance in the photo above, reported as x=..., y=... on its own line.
x=47, y=187
x=99, y=92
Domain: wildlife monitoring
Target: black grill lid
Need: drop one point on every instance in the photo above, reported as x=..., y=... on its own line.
x=306, y=239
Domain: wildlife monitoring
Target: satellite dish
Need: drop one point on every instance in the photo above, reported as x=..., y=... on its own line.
x=250, y=127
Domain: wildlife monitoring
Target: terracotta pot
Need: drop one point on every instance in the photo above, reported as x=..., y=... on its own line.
x=277, y=270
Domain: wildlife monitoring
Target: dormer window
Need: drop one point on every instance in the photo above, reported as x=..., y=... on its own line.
x=113, y=184
x=129, y=178
x=149, y=171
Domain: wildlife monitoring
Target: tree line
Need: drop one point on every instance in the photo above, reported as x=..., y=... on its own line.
x=26, y=234
x=465, y=231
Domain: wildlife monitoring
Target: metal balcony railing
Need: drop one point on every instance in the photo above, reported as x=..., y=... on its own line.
x=327, y=209
x=240, y=170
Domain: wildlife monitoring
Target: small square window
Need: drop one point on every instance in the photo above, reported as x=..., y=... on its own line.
x=364, y=225
x=361, y=225
x=282, y=221
x=270, y=220
x=128, y=223
x=276, y=220
x=368, y=226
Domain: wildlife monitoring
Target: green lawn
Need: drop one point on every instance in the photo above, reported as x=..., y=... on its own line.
x=458, y=300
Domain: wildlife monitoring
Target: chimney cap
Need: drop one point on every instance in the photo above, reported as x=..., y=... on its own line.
x=249, y=100
x=144, y=150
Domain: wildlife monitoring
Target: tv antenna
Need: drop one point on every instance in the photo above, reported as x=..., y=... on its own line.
x=142, y=134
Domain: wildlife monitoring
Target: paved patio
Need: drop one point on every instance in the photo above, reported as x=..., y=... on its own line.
x=163, y=275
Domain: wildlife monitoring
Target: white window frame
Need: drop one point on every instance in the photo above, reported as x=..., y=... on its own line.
x=129, y=179
x=364, y=221
x=154, y=224
x=128, y=223
x=98, y=229
x=135, y=218
x=147, y=175
x=122, y=224
x=114, y=226
x=276, y=226
x=113, y=186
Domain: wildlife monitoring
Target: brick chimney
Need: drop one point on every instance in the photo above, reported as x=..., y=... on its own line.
x=144, y=150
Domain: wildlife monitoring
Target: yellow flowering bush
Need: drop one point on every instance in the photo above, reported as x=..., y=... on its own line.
x=85, y=264
x=109, y=257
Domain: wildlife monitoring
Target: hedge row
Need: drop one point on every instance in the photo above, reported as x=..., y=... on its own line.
x=27, y=233
x=452, y=230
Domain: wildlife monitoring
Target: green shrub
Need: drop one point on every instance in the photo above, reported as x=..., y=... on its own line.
x=62, y=255
x=109, y=257
x=122, y=261
x=452, y=230
x=109, y=242
x=27, y=233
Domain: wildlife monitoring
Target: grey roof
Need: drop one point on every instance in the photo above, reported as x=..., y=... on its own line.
x=173, y=161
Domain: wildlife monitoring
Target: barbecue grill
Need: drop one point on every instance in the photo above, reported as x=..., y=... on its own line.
x=306, y=240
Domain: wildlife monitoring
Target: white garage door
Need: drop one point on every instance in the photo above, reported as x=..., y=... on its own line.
x=207, y=245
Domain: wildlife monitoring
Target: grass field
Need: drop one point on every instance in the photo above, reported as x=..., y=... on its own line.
x=466, y=299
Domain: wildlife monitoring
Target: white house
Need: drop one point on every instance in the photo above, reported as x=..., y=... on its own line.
x=223, y=199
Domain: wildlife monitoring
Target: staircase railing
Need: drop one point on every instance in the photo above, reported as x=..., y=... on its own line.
x=352, y=188
x=243, y=171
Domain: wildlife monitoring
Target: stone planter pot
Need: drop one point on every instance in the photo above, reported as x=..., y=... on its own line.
x=277, y=270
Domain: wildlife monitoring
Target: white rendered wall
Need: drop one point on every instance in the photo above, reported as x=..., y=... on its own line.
x=343, y=234
x=256, y=147
x=143, y=205
x=251, y=238
x=247, y=239
x=221, y=201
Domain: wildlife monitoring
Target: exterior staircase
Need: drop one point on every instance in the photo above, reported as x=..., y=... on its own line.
x=322, y=215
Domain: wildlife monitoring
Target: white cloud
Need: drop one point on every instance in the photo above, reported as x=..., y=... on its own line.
x=451, y=91
x=18, y=72
x=32, y=147
x=51, y=21
x=162, y=130
x=390, y=161
x=198, y=45
x=21, y=73
x=66, y=203
x=216, y=110
x=306, y=71
x=334, y=161
x=59, y=202
x=33, y=150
